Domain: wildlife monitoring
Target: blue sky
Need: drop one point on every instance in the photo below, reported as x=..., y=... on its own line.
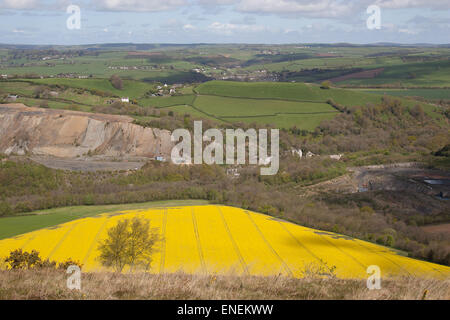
x=224, y=21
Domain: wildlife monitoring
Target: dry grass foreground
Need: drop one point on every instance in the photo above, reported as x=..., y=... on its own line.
x=222, y=240
x=51, y=285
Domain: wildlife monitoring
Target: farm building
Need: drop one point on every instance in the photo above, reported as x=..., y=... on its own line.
x=298, y=152
x=336, y=156
x=12, y=98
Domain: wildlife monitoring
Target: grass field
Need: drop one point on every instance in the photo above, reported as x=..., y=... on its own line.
x=432, y=94
x=162, y=102
x=238, y=107
x=287, y=91
x=216, y=239
x=302, y=121
x=281, y=104
x=52, y=285
x=279, y=113
x=191, y=110
x=425, y=74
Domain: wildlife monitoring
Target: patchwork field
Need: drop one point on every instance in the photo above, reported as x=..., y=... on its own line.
x=218, y=239
x=280, y=104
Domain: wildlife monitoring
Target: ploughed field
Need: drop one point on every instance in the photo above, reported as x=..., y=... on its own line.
x=217, y=239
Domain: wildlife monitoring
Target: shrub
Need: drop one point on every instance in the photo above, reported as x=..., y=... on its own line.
x=326, y=85
x=116, y=82
x=5, y=209
x=69, y=262
x=19, y=259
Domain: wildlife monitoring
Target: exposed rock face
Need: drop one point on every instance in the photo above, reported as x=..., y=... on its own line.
x=68, y=134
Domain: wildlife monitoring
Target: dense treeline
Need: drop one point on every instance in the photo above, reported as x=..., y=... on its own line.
x=389, y=125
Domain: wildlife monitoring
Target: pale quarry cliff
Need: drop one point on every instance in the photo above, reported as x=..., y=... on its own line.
x=71, y=134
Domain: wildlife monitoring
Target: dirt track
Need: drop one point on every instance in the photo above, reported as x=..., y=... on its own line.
x=89, y=164
x=439, y=228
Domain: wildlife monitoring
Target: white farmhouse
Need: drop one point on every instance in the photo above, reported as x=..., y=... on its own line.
x=12, y=97
x=336, y=156
x=298, y=152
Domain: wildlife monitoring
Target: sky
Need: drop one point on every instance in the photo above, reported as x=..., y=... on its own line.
x=224, y=21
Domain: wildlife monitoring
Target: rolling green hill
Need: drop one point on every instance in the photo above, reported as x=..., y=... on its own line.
x=282, y=104
x=425, y=74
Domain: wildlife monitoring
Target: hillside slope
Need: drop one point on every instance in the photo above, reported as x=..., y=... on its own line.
x=219, y=240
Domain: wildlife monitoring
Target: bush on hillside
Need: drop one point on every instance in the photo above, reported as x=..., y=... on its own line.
x=116, y=82
x=23, y=260
x=326, y=85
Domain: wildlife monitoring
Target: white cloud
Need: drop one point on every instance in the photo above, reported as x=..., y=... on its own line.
x=216, y=2
x=399, y=4
x=318, y=8
x=321, y=8
x=230, y=28
x=188, y=27
x=407, y=31
x=19, y=4
x=139, y=5
x=172, y=24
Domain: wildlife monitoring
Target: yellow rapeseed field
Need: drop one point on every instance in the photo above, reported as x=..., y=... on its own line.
x=218, y=239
